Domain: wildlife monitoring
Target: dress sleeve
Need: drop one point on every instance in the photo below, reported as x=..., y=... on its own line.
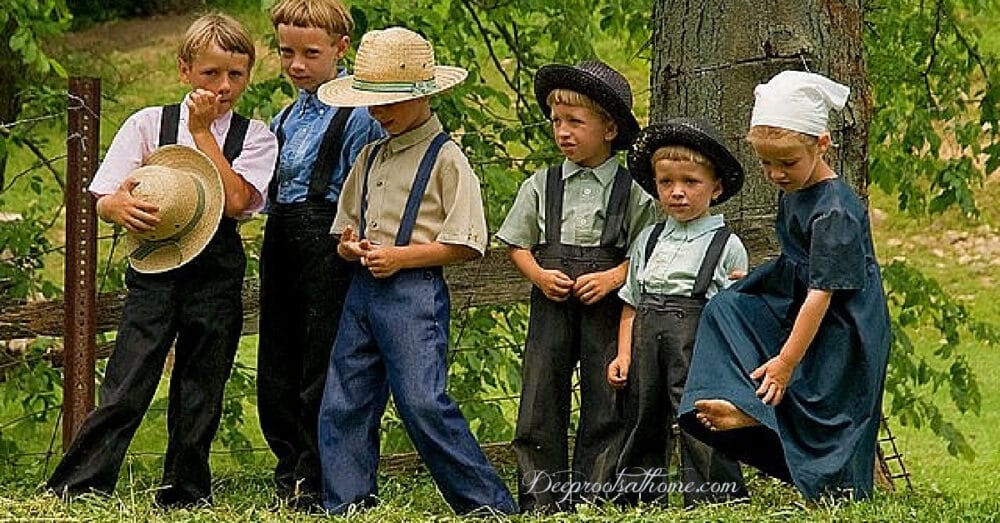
x=836, y=252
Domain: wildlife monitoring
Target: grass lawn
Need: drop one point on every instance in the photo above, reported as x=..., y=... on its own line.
x=959, y=252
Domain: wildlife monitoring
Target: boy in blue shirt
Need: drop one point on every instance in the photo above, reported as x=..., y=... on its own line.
x=568, y=232
x=676, y=266
x=302, y=280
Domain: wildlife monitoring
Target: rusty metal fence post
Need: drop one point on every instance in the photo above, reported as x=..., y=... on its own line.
x=82, y=146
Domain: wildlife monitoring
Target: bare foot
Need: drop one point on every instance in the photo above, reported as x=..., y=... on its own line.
x=722, y=415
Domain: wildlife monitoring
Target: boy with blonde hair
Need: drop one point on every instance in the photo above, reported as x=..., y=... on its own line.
x=302, y=280
x=569, y=231
x=411, y=204
x=193, y=298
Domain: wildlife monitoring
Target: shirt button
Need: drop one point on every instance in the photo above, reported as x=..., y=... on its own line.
x=374, y=225
x=582, y=221
x=586, y=192
x=379, y=183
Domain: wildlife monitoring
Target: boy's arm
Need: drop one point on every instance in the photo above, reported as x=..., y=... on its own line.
x=554, y=284
x=777, y=372
x=592, y=287
x=386, y=261
x=201, y=113
x=618, y=368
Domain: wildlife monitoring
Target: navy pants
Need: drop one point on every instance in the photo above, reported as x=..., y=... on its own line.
x=393, y=336
x=199, y=306
x=302, y=287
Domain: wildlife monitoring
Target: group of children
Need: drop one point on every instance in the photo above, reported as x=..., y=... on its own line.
x=634, y=280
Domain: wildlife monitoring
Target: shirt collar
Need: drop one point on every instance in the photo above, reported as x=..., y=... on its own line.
x=605, y=172
x=694, y=228
x=425, y=132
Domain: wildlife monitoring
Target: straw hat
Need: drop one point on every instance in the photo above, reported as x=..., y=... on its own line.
x=187, y=188
x=695, y=134
x=393, y=65
x=599, y=82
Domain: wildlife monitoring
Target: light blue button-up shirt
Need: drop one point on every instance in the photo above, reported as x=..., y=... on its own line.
x=673, y=266
x=304, y=129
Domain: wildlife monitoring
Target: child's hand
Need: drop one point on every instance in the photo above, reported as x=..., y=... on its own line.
x=122, y=208
x=350, y=248
x=592, y=287
x=618, y=371
x=554, y=284
x=203, y=107
x=382, y=262
x=776, y=374
x=737, y=274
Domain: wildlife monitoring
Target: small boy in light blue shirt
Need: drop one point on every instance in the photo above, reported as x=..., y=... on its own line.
x=675, y=267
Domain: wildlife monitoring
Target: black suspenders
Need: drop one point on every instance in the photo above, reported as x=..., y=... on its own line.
x=170, y=120
x=617, y=205
x=326, y=158
x=708, y=263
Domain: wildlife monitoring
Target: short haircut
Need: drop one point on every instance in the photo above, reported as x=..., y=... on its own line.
x=681, y=153
x=330, y=15
x=759, y=133
x=220, y=29
x=575, y=99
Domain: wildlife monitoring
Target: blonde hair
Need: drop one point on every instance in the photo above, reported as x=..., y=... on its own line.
x=330, y=15
x=761, y=133
x=220, y=29
x=681, y=153
x=575, y=99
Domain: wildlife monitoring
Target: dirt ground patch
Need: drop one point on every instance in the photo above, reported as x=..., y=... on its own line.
x=126, y=35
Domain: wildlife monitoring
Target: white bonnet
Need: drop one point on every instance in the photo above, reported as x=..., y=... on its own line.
x=798, y=101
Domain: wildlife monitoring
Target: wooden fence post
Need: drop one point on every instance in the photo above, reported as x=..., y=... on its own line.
x=82, y=146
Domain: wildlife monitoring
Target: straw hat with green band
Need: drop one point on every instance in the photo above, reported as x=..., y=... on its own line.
x=393, y=65
x=187, y=188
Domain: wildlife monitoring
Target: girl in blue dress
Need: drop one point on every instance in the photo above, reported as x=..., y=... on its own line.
x=789, y=364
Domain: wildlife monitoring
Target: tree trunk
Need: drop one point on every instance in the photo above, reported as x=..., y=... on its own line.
x=710, y=54
x=10, y=101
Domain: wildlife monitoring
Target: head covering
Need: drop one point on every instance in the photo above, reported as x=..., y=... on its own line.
x=599, y=82
x=187, y=188
x=797, y=101
x=696, y=134
x=393, y=65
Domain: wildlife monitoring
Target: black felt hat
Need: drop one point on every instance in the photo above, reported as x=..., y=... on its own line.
x=695, y=134
x=599, y=82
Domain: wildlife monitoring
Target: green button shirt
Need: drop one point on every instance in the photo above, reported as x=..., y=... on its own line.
x=585, y=200
x=673, y=266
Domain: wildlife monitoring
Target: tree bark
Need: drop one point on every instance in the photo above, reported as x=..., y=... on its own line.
x=710, y=54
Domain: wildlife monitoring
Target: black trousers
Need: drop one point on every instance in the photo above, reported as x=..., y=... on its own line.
x=560, y=334
x=198, y=305
x=662, y=339
x=303, y=283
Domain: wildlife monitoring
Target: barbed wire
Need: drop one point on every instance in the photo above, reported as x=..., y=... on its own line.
x=7, y=126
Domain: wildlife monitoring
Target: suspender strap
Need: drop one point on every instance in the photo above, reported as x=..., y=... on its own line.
x=362, y=221
x=710, y=262
x=237, y=133
x=169, y=120
x=231, y=149
x=654, y=237
x=617, y=204
x=329, y=152
x=417, y=190
x=272, y=186
x=553, y=205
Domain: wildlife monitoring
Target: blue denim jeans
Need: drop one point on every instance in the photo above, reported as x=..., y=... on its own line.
x=393, y=336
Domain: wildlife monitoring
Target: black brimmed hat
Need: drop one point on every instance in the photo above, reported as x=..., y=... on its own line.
x=695, y=134
x=599, y=82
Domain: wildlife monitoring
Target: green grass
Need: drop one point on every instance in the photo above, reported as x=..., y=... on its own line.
x=945, y=488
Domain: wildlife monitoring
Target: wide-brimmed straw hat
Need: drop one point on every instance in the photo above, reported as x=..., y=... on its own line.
x=393, y=65
x=599, y=82
x=187, y=188
x=695, y=134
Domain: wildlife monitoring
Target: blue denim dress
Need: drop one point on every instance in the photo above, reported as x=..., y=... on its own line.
x=822, y=436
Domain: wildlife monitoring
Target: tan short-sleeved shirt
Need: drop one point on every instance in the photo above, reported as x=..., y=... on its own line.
x=451, y=210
